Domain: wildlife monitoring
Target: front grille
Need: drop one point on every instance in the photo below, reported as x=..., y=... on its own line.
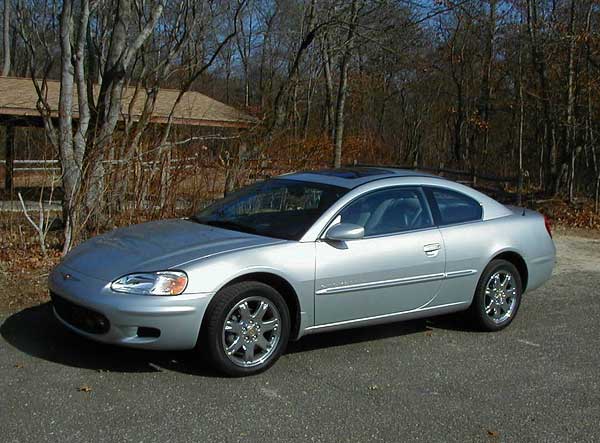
x=79, y=317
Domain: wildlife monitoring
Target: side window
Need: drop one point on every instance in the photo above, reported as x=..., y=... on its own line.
x=389, y=211
x=455, y=207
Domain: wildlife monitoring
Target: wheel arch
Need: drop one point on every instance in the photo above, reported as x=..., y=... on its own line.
x=278, y=283
x=518, y=261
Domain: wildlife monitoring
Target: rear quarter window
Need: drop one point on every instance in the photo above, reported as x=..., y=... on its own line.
x=454, y=207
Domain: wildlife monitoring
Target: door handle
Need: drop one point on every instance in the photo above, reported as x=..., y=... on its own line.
x=432, y=250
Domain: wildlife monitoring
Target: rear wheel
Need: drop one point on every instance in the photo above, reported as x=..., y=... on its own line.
x=248, y=328
x=497, y=297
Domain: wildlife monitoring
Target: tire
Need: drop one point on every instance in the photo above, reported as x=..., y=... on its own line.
x=493, y=307
x=266, y=335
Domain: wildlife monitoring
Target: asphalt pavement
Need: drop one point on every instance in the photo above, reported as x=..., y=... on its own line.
x=426, y=380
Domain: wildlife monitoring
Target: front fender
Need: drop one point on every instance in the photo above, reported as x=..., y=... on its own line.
x=293, y=262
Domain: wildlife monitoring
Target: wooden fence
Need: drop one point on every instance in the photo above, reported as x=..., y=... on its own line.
x=33, y=173
x=480, y=181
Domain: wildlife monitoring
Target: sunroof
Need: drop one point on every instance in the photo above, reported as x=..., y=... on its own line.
x=351, y=173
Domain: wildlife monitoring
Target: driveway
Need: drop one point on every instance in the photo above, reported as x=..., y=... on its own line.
x=428, y=380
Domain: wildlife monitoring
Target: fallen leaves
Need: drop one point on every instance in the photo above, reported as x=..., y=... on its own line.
x=84, y=388
x=23, y=271
x=575, y=215
x=493, y=433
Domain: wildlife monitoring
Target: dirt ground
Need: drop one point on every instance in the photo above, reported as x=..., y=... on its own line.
x=23, y=268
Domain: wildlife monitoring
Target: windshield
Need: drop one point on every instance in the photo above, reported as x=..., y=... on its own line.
x=274, y=208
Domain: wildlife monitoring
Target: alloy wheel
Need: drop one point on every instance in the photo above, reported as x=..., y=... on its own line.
x=500, y=296
x=251, y=331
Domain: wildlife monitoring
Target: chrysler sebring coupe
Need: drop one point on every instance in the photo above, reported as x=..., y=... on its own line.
x=300, y=254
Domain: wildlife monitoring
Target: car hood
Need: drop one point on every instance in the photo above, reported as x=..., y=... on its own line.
x=155, y=246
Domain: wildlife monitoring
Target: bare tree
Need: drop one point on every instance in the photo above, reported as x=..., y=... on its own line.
x=487, y=84
x=570, y=136
x=308, y=35
x=342, y=92
x=539, y=64
x=6, y=38
x=128, y=49
x=244, y=43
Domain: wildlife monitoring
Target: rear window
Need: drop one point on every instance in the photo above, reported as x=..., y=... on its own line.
x=455, y=207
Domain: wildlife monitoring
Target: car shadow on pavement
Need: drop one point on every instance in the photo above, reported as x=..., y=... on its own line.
x=36, y=332
x=373, y=333
x=357, y=335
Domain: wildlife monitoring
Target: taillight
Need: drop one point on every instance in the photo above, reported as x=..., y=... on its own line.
x=548, y=226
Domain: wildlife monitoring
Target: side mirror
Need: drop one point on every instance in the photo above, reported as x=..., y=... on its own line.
x=345, y=231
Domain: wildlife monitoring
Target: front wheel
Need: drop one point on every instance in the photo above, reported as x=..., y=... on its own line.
x=497, y=297
x=248, y=328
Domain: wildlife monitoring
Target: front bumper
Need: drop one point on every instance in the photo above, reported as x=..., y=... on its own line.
x=174, y=322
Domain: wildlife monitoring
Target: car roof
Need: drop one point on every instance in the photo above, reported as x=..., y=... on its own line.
x=351, y=177
x=361, y=184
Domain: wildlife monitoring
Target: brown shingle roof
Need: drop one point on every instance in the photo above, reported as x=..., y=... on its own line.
x=18, y=97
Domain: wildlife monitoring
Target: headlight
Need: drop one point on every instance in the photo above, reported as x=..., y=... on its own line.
x=152, y=283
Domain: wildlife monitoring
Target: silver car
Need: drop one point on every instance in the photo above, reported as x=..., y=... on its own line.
x=300, y=254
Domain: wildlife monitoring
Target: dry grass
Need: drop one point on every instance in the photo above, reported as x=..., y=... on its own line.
x=23, y=268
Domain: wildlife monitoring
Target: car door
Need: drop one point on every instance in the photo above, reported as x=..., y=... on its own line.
x=459, y=218
x=396, y=267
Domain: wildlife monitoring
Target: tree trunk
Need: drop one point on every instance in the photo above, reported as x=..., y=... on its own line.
x=329, y=113
x=165, y=178
x=71, y=170
x=279, y=106
x=339, y=113
x=121, y=54
x=6, y=39
x=521, y=126
x=310, y=90
x=571, y=150
x=539, y=65
x=343, y=87
x=486, y=90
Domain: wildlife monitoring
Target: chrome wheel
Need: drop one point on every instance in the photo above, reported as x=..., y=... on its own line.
x=500, y=296
x=251, y=331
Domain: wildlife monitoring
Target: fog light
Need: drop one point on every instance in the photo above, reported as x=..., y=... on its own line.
x=145, y=332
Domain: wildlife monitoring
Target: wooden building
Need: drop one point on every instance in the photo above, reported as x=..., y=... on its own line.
x=19, y=101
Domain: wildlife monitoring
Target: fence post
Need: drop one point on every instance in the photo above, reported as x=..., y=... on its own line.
x=9, y=167
x=520, y=186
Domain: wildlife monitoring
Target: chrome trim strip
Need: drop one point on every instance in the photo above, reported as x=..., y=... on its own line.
x=395, y=282
x=381, y=284
x=385, y=316
x=463, y=273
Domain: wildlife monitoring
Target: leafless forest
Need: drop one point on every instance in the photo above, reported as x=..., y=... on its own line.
x=499, y=88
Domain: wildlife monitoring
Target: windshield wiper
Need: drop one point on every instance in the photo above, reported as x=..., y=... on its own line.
x=196, y=219
x=226, y=224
